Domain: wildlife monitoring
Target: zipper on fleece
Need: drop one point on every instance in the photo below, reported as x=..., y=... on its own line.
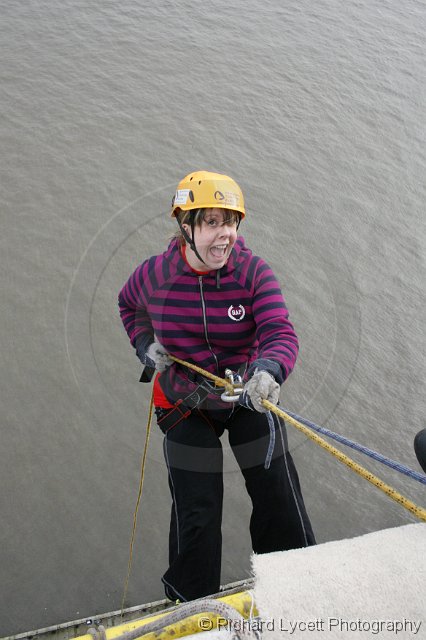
x=206, y=334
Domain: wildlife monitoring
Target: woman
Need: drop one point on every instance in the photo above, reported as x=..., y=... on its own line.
x=209, y=301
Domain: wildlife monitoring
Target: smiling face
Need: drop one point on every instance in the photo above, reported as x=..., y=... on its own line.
x=214, y=239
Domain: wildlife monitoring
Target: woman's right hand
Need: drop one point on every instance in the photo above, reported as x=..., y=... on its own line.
x=157, y=357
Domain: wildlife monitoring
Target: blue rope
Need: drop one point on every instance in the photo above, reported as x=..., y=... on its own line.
x=271, y=446
x=420, y=477
x=244, y=400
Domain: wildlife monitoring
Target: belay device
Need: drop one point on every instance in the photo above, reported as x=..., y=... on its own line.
x=236, y=381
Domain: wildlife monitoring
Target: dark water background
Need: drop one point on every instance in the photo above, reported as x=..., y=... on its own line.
x=318, y=111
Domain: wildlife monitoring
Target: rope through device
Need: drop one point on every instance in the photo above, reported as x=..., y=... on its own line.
x=419, y=512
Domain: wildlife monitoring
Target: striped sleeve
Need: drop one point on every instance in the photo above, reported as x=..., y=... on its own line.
x=132, y=304
x=278, y=343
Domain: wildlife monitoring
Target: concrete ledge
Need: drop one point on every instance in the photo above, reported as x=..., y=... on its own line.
x=370, y=586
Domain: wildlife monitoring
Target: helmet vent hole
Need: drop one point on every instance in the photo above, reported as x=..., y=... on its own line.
x=190, y=178
x=199, y=181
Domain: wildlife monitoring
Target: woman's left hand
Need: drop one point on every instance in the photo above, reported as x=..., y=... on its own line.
x=261, y=386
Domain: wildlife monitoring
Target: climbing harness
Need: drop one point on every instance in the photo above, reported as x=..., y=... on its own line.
x=419, y=512
x=169, y=418
x=233, y=388
x=233, y=384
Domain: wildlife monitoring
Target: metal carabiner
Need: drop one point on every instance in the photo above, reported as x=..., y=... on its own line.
x=237, y=383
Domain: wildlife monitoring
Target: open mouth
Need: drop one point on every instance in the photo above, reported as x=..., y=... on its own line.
x=219, y=250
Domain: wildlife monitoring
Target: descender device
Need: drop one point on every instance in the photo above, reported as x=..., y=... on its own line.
x=236, y=381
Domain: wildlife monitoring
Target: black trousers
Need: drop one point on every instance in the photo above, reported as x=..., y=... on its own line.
x=193, y=453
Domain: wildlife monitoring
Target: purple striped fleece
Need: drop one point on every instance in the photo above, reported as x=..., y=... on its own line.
x=243, y=321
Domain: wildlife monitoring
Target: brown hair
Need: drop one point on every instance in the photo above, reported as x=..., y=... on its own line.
x=198, y=215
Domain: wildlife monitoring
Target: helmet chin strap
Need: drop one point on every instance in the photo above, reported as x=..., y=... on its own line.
x=189, y=240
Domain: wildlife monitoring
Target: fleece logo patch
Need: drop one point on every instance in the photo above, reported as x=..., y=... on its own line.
x=236, y=312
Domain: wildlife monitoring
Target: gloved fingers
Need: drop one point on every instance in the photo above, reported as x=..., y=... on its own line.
x=159, y=356
x=262, y=386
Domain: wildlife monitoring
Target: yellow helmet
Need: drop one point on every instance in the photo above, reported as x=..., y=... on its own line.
x=204, y=189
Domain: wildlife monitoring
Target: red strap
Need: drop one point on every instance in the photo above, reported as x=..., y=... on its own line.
x=160, y=399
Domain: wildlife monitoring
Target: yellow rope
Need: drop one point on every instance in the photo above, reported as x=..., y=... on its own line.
x=419, y=512
x=220, y=382
x=138, y=500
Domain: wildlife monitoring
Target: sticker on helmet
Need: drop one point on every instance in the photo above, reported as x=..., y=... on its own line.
x=231, y=199
x=181, y=196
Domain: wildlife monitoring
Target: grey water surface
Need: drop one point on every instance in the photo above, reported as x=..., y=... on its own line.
x=318, y=110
